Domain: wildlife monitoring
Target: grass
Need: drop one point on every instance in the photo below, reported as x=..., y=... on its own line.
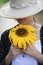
x=39, y=15
x=2, y=2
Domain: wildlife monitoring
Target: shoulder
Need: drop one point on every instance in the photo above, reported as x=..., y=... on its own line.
x=4, y=36
x=5, y=41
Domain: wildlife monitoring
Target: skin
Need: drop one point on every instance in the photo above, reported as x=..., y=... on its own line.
x=14, y=51
x=32, y=51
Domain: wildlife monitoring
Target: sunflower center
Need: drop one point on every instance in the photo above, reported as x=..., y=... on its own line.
x=21, y=32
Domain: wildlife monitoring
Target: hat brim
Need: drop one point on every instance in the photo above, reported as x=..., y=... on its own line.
x=7, y=11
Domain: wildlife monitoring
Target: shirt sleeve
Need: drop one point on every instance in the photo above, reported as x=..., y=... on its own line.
x=41, y=38
x=4, y=47
x=6, y=42
x=2, y=55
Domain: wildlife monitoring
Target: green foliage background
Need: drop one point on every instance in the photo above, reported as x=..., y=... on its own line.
x=2, y=2
x=39, y=16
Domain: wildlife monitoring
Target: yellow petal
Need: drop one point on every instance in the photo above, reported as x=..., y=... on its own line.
x=21, y=26
x=23, y=43
x=32, y=37
x=31, y=28
x=32, y=41
x=33, y=34
x=19, y=43
x=13, y=29
x=14, y=42
x=27, y=41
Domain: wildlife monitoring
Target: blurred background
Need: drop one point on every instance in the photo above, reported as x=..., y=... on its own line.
x=39, y=16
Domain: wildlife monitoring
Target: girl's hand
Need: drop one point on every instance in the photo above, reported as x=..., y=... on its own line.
x=32, y=51
x=13, y=52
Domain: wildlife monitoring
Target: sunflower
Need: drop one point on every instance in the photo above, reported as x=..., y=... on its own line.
x=21, y=35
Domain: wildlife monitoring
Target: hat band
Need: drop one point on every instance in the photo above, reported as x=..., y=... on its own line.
x=22, y=5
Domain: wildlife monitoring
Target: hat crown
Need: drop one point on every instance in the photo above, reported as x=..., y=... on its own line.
x=22, y=3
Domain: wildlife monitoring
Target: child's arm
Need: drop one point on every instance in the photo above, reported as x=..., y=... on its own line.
x=9, y=50
x=2, y=55
x=8, y=58
x=12, y=54
x=35, y=53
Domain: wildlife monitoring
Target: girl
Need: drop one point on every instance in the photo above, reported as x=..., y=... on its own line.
x=23, y=12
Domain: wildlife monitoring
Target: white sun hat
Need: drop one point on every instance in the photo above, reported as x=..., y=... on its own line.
x=21, y=8
x=6, y=23
x=42, y=4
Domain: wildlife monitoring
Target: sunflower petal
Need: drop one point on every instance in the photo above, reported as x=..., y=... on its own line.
x=19, y=43
x=28, y=42
x=31, y=28
x=28, y=38
x=32, y=41
x=23, y=43
x=33, y=34
x=32, y=37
